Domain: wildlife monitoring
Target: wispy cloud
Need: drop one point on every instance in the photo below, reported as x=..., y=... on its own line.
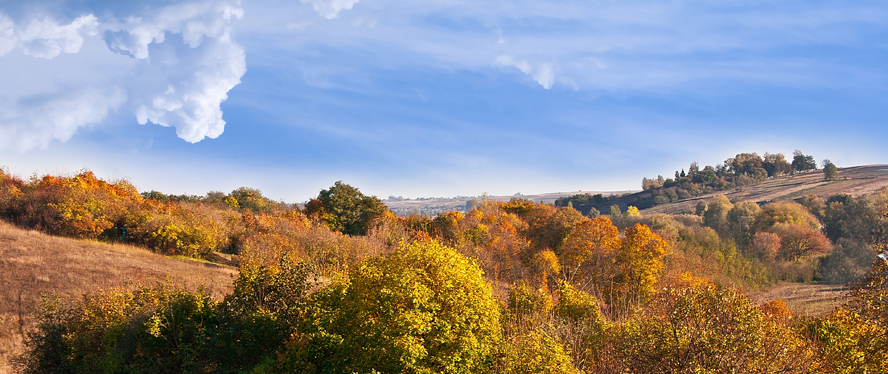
x=37, y=123
x=542, y=73
x=330, y=9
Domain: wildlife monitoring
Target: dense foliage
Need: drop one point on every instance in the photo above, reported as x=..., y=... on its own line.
x=342, y=285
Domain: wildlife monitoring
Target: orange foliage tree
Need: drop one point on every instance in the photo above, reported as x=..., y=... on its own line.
x=82, y=206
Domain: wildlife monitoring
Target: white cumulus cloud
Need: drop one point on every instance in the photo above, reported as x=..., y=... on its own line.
x=45, y=38
x=185, y=87
x=330, y=9
x=190, y=64
x=180, y=64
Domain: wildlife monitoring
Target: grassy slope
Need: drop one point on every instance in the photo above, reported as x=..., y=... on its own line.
x=855, y=181
x=33, y=264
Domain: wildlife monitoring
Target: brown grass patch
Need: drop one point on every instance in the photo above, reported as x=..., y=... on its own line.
x=810, y=300
x=33, y=264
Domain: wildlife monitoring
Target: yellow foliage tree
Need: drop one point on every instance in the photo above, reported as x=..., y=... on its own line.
x=422, y=309
x=640, y=261
x=621, y=269
x=708, y=329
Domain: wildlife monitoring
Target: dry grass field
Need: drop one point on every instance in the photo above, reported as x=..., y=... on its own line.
x=810, y=300
x=34, y=264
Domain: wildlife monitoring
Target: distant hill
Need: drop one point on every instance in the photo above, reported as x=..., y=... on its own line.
x=854, y=181
x=434, y=205
x=34, y=264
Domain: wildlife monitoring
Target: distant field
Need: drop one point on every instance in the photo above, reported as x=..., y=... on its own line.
x=34, y=264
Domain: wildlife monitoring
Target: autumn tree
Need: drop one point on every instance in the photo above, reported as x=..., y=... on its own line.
x=250, y=199
x=82, y=206
x=708, y=329
x=150, y=330
x=765, y=245
x=590, y=251
x=422, y=309
x=798, y=241
x=620, y=269
x=784, y=212
x=548, y=228
x=641, y=261
x=852, y=338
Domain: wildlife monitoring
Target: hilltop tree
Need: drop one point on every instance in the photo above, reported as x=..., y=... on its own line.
x=830, y=171
x=802, y=162
x=776, y=164
x=744, y=163
x=251, y=199
x=345, y=209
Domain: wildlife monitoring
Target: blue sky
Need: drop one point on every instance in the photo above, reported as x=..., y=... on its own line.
x=440, y=98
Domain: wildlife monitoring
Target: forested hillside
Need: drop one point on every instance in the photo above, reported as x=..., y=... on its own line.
x=745, y=170
x=341, y=284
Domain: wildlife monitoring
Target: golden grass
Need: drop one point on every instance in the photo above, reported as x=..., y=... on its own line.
x=34, y=264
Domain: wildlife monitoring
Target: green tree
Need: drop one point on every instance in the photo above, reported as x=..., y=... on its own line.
x=615, y=211
x=345, y=209
x=716, y=214
x=776, y=164
x=830, y=171
x=250, y=199
x=150, y=330
x=802, y=162
x=741, y=219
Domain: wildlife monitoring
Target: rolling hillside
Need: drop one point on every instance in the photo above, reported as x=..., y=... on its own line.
x=34, y=264
x=854, y=181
